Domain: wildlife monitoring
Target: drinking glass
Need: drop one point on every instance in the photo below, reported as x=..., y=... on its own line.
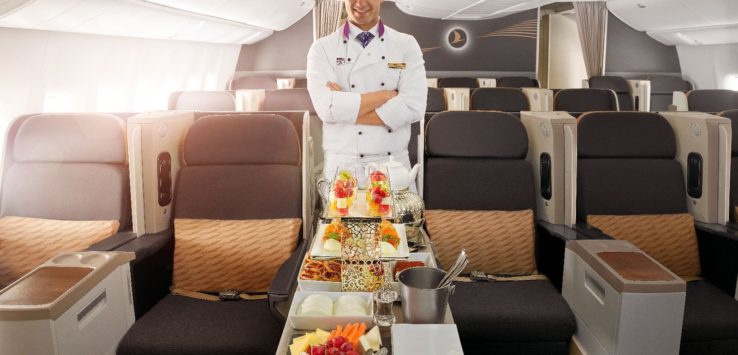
x=384, y=299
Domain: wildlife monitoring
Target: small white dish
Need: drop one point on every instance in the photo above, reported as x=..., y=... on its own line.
x=426, y=339
x=317, y=248
x=305, y=322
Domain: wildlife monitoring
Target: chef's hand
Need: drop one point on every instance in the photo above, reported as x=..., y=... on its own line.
x=333, y=86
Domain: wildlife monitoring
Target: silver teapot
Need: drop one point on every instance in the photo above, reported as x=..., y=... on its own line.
x=409, y=208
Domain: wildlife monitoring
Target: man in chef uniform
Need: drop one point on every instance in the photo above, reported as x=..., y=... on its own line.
x=367, y=83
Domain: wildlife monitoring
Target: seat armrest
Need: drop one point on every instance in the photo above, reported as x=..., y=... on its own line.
x=112, y=242
x=285, y=281
x=718, y=247
x=151, y=271
x=586, y=231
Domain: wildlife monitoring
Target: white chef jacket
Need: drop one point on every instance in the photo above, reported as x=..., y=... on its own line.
x=392, y=61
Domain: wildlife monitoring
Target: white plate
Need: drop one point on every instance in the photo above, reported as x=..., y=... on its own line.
x=426, y=339
x=317, y=249
x=330, y=286
x=329, y=322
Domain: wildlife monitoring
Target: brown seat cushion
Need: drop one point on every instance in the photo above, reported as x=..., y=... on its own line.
x=215, y=255
x=27, y=242
x=496, y=242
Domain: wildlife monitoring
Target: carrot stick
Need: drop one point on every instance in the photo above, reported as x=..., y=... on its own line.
x=347, y=330
x=353, y=334
x=358, y=332
x=332, y=335
x=338, y=331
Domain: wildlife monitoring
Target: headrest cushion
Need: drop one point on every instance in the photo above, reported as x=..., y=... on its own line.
x=288, y=99
x=712, y=100
x=476, y=135
x=664, y=84
x=71, y=138
x=614, y=83
x=241, y=139
x=584, y=100
x=625, y=135
x=436, y=101
x=505, y=99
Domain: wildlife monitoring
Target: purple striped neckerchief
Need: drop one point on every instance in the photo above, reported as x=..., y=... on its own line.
x=347, y=29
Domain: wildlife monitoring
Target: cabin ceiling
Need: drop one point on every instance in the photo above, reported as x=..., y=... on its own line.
x=672, y=22
x=681, y=22
x=466, y=9
x=213, y=21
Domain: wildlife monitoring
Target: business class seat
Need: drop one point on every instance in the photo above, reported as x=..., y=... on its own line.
x=517, y=82
x=578, y=101
x=617, y=84
x=65, y=188
x=202, y=101
x=662, y=90
x=480, y=195
x=458, y=82
x=253, y=82
x=237, y=219
x=505, y=99
x=630, y=187
x=712, y=101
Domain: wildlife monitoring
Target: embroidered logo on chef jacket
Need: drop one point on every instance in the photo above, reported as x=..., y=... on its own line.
x=340, y=61
x=396, y=65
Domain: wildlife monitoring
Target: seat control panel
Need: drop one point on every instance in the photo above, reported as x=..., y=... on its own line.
x=546, y=187
x=694, y=175
x=164, y=178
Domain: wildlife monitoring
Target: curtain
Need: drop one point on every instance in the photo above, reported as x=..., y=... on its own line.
x=327, y=16
x=592, y=26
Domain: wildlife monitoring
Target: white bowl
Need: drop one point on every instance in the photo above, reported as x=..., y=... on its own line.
x=327, y=323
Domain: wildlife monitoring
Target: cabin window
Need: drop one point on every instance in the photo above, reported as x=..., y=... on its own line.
x=731, y=82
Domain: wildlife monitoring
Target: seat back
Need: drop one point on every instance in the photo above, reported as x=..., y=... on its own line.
x=617, y=84
x=733, y=116
x=288, y=100
x=65, y=187
x=458, y=82
x=662, y=89
x=517, y=82
x=238, y=202
x=630, y=186
x=505, y=99
x=202, y=101
x=712, y=101
x=478, y=183
x=254, y=82
x=436, y=101
x=577, y=101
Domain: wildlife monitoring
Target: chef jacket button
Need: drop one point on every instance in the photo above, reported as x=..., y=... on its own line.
x=361, y=155
x=353, y=86
x=349, y=59
x=360, y=132
x=344, y=41
x=382, y=84
x=389, y=153
x=389, y=130
x=382, y=57
x=383, y=39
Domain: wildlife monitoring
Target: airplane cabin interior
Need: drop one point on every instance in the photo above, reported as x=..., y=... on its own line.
x=368, y=177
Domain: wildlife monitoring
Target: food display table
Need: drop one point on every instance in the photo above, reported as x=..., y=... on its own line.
x=290, y=333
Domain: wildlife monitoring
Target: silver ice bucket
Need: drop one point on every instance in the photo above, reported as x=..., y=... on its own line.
x=422, y=302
